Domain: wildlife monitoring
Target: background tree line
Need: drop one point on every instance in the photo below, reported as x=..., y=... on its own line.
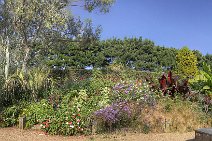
x=37, y=33
x=135, y=53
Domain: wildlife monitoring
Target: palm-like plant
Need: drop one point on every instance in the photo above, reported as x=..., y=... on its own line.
x=207, y=79
x=14, y=87
x=27, y=85
x=38, y=81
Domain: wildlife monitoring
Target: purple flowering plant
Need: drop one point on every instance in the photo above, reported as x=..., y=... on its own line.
x=116, y=114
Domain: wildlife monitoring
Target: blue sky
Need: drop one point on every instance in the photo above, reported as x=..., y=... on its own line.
x=169, y=23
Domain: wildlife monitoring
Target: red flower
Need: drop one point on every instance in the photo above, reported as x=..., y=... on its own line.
x=47, y=125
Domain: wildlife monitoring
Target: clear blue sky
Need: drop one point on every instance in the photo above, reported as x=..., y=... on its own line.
x=169, y=23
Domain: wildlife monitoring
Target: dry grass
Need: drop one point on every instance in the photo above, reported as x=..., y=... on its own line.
x=172, y=116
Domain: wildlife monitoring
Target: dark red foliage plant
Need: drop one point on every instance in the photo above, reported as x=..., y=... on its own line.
x=171, y=85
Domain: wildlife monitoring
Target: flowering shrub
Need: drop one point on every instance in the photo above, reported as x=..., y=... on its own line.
x=117, y=114
x=37, y=112
x=68, y=118
x=136, y=90
x=64, y=122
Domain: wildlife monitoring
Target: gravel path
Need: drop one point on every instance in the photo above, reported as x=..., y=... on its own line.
x=14, y=134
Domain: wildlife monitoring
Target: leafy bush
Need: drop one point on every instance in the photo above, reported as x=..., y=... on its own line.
x=203, y=84
x=72, y=113
x=171, y=85
x=186, y=63
x=9, y=116
x=65, y=121
x=37, y=112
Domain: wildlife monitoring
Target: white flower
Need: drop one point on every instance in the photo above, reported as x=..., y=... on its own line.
x=71, y=126
x=78, y=109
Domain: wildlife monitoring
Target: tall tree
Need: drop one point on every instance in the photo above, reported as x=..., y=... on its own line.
x=30, y=21
x=37, y=25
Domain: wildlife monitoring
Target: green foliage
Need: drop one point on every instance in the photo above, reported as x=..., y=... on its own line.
x=10, y=115
x=108, y=99
x=98, y=82
x=79, y=53
x=102, y=5
x=15, y=89
x=64, y=122
x=26, y=86
x=203, y=81
x=69, y=116
x=139, y=54
x=186, y=63
x=136, y=53
x=208, y=59
x=200, y=58
x=37, y=112
x=207, y=73
x=67, y=119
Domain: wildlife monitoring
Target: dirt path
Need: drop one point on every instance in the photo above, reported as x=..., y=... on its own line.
x=14, y=134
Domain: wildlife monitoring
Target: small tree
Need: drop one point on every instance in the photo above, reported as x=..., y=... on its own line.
x=186, y=62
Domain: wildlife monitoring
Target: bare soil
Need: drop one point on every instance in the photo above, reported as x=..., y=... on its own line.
x=15, y=134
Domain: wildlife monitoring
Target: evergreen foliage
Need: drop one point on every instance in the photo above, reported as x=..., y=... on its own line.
x=186, y=62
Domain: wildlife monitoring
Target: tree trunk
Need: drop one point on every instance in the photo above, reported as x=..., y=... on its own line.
x=26, y=57
x=7, y=57
x=7, y=62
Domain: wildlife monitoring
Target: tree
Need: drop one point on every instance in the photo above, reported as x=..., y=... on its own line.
x=38, y=25
x=200, y=58
x=186, y=62
x=29, y=22
x=102, y=5
x=75, y=51
x=208, y=59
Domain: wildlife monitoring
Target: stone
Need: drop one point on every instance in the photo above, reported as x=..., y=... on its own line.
x=203, y=134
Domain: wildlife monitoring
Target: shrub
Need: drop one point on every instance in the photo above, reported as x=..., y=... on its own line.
x=113, y=116
x=72, y=113
x=37, y=112
x=186, y=63
x=9, y=116
x=203, y=84
x=65, y=121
